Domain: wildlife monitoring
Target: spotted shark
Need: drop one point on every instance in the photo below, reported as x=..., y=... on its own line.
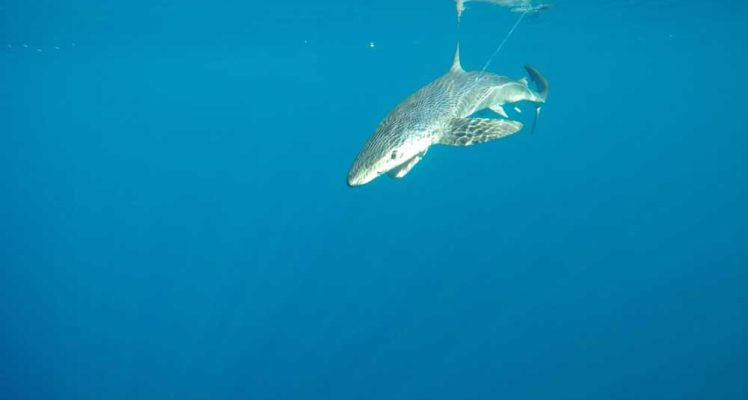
x=440, y=113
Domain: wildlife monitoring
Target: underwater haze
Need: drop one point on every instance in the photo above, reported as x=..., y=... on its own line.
x=175, y=221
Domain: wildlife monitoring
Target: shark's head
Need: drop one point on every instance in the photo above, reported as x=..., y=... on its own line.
x=391, y=147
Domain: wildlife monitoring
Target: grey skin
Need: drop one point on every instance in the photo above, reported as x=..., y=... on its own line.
x=439, y=113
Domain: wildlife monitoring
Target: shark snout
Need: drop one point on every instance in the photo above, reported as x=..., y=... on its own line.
x=352, y=182
x=362, y=173
x=355, y=179
x=363, y=170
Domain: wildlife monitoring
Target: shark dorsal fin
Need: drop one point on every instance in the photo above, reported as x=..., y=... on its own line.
x=456, y=67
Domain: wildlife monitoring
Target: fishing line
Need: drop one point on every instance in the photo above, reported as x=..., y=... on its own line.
x=508, y=35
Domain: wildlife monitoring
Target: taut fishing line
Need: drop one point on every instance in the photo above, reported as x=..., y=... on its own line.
x=503, y=42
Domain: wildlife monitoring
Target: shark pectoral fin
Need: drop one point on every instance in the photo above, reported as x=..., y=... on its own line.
x=405, y=167
x=469, y=131
x=499, y=109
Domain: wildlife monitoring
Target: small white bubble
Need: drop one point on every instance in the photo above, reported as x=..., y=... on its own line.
x=25, y=46
x=371, y=45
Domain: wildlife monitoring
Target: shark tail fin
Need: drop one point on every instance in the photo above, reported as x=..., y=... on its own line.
x=539, y=81
x=542, y=85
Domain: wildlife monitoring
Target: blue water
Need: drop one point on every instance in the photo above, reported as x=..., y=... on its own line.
x=175, y=223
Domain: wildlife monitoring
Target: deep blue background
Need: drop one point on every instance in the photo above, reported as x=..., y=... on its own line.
x=174, y=219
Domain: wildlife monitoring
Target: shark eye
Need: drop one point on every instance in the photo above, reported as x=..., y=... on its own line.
x=394, y=155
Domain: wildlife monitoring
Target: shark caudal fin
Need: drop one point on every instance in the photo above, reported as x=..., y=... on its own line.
x=542, y=85
x=539, y=81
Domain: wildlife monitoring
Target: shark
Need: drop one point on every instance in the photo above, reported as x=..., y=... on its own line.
x=440, y=113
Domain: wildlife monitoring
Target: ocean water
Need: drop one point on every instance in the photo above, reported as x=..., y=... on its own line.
x=175, y=223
